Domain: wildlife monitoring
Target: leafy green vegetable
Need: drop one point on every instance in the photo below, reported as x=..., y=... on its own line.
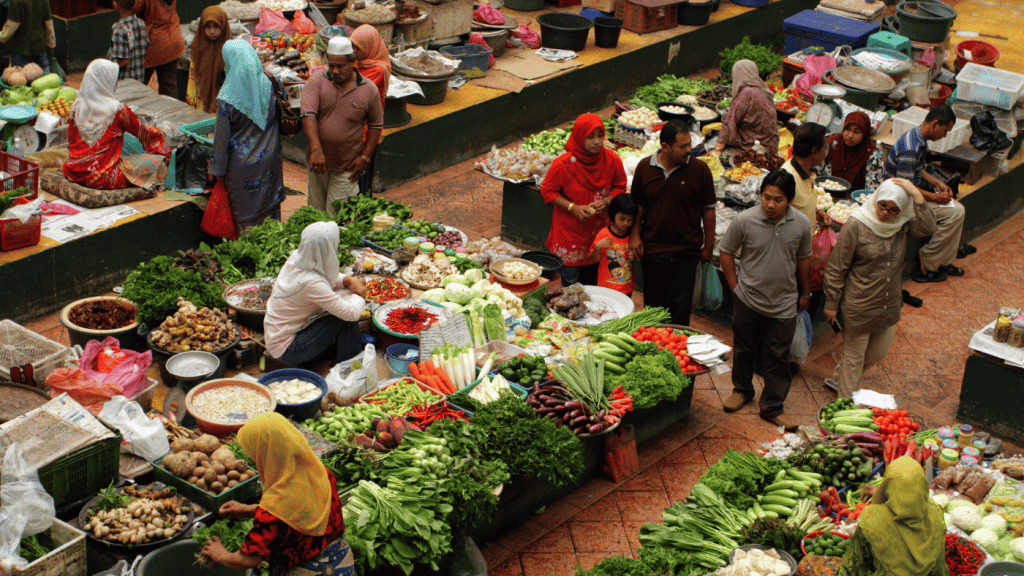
x=471, y=480
x=629, y=323
x=651, y=376
x=155, y=286
x=774, y=533
x=622, y=566
x=232, y=535
x=352, y=464
x=766, y=59
x=464, y=264
x=7, y=197
x=535, y=309
x=362, y=209
x=740, y=475
x=111, y=497
x=667, y=89
x=34, y=547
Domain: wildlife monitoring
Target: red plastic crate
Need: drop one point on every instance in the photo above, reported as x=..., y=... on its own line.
x=68, y=9
x=14, y=234
x=21, y=173
x=643, y=16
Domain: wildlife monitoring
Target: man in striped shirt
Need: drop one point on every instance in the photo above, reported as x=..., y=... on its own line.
x=907, y=159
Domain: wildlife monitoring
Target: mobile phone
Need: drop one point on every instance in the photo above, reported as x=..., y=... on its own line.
x=836, y=327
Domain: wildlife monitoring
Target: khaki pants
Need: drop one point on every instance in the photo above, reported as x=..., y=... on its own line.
x=860, y=352
x=941, y=248
x=326, y=188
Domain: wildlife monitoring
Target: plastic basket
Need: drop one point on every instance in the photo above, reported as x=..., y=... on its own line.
x=398, y=365
x=987, y=85
x=632, y=137
x=22, y=173
x=643, y=16
x=516, y=388
x=20, y=346
x=202, y=131
x=16, y=234
x=77, y=477
x=242, y=492
x=380, y=248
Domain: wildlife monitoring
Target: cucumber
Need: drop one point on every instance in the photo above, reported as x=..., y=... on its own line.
x=614, y=368
x=758, y=510
x=622, y=344
x=609, y=349
x=628, y=338
x=785, y=493
x=751, y=516
x=610, y=358
x=771, y=514
x=780, y=476
x=785, y=484
x=771, y=499
x=780, y=510
x=805, y=477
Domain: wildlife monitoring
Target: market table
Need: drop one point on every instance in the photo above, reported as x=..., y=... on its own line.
x=992, y=392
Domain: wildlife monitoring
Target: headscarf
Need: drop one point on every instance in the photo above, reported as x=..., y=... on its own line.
x=744, y=75
x=95, y=107
x=593, y=171
x=296, y=487
x=848, y=162
x=246, y=86
x=902, y=525
x=891, y=191
x=208, y=57
x=368, y=39
x=315, y=259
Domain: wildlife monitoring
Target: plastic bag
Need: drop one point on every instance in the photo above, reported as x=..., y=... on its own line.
x=698, y=290
x=273, y=20
x=218, y=219
x=821, y=249
x=348, y=379
x=129, y=375
x=143, y=436
x=523, y=37
x=802, y=336
x=190, y=162
x=814, y=67
x=302, y=23
x=488, y=15
x=25, y=507
x=711, y=293
x=986, y=135
x=84, y=390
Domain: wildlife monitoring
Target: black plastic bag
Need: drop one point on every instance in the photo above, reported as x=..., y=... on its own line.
x=987, y=136
x=191, y=160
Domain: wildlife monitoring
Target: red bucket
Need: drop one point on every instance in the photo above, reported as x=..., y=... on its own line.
x=941, y=96
x=982, y=53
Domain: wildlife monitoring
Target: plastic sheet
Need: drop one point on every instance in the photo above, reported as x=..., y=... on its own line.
x=25, y=507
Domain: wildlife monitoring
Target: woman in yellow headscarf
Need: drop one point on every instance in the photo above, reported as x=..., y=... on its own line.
x=298, y=526
x=902, y=532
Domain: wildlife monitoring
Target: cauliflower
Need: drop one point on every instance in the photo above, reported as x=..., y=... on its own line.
x=434, y=295
x=474, y=275
x=966, y=518
x=1017, y=546
x=480, y=288
x=995, y=523
x=941, y=500
x=985, y=538
x=459, y=293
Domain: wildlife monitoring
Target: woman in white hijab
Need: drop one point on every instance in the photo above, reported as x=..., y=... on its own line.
x=96, y=132
x=864, y=275
x=305, y=314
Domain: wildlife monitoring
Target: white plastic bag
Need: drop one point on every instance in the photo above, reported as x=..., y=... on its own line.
x=348, y=379
x=143, y=436
x=801, y=344
x=25, y=508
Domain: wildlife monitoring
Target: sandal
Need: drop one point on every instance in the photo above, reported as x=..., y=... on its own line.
x=965, y=250
x=951, y=270
x=937, y=276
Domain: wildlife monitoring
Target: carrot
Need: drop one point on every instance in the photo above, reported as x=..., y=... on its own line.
x=414, y=370
x=436, y=384
x=446, y=380
x=428, y=367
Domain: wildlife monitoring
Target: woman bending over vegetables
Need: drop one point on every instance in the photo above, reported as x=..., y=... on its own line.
x=298, y=526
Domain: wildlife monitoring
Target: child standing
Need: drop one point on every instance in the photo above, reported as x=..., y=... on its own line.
x=128, y=43
x=615, y=268
x=29, y=31
x=206, y=71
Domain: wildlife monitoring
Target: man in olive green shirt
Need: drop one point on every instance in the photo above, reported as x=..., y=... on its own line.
x=29, y=32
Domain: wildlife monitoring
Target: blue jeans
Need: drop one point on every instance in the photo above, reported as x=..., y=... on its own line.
x=312, y=340
x=586, y=274
x=42, y=59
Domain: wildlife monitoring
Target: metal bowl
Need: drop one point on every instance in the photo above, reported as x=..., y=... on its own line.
x=841, y=193
x=782, y=554
x=192, y=366
x=549, y=263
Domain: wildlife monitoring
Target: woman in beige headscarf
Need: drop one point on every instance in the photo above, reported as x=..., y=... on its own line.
x=751, y=114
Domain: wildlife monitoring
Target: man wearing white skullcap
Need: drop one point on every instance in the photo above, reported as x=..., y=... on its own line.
x=342, y=117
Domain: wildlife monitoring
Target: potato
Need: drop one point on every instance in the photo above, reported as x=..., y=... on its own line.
x=229, y=463
x=201, y=483
x=241, y=466
x=192, y=479
x=183, y=445
x=222, y=454
x=222, y=479
x=247, y=474
x=218, y=467
x=216, y=487
x=233, y=475
x=232, y=483
x=210, y=477
x=207, y=443
x=200, y=456
x=181, y=465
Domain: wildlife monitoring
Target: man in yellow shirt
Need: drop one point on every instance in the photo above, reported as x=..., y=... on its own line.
x=809, y=150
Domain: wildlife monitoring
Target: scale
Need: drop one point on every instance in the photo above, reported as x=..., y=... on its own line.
x=825, y=111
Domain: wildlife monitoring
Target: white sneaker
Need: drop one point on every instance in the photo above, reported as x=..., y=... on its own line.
x=832, y=385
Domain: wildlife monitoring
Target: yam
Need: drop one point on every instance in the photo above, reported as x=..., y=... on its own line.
x=222, y=455
x=207, y=443
x=181, y=465
x=183, y=445
x=218, y=467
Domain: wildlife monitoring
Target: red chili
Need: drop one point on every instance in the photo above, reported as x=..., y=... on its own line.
x=963, y=557
x=409, y=320
x=386, y=290
x=426, y=415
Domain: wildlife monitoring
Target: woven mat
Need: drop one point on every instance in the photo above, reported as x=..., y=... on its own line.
x=55, y=183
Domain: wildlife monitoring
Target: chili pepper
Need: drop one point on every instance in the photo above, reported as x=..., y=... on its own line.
x=386, y=290
x=963, y=557
x=424, y=415
x=409, y=320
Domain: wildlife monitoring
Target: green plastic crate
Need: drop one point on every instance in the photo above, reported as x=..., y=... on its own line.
x=210, y=502
x=202, y=131
x=80, y=475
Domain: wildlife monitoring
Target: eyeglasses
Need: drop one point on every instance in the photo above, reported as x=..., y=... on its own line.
x=895, y=210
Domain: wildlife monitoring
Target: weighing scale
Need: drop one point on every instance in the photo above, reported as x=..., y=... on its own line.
x=825, y=111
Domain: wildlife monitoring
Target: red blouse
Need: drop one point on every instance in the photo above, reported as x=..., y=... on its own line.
x=569, y=238
x=97, y=166
x=283, y=546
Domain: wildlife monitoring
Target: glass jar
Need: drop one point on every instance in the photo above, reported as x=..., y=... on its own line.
x=971, y=451
x=1016, y=338
x=950, y=444
x=947, y=458
x=965, y=435
x=944, y=433
x=968, y=461
x=427, y=247
x=1001, y=332
x=979, y=444
x=411, y=244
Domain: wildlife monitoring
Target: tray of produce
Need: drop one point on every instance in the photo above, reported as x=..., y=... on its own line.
x=387, y=240
x=136, y=515
x=247, y=296
x=766, y=161
x=341, y=421
x=674, y=338
x=386, y=289
x=208, y=472
x=824, y=544
x=590, y=305
x=407, y=318
x=401, y=396
x=743, y=171
x=426, y=271
x=194, y=329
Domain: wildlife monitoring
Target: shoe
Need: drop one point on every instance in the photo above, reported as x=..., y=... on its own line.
x=794, y=368
x=735, y=402
x=786, y=422
x=951, y=270
x=912, y=300
x=965, y=250
x=937, y=276
x=832, y=385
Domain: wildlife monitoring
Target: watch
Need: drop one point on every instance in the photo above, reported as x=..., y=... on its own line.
x=364, y=157
x=808, y=296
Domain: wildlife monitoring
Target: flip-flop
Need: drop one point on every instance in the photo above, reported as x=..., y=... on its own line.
x=911, y=300
x=965, y=250
x=951, y=270
x=938, y=276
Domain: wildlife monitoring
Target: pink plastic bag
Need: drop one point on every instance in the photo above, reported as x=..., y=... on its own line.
x=821, y=249
x=302, y=23
x=524, y=37
x=87, y=392
x=814, y=67
x=273, y=20
x=129, y=375
x=477, y=38
x=488, y=15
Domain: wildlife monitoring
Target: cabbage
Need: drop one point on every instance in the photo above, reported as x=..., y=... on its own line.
x=455, y=308
x=967, y=519
x=434, y=295
x=941, y=500
x=1017, y=546
x=481, y=288
x=459, y=293
x=453, y=278
x=957, y=503
x=995, y=523
x=47, y=96
x=985, y=538
x=948, y=519
x=474, y=275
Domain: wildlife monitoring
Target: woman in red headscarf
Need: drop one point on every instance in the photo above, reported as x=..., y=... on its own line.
x=853, y=155
x=581, y=184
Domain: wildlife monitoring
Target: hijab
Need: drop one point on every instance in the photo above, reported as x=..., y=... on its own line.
x=314, y=260
x=246, y=86
x=903, y=526
x=744, y=75
x=850, y=162
x=375, y=53
x=893, y=192
x=296, y=487
x=594, y=172
x=95, y=107
x=208, y=57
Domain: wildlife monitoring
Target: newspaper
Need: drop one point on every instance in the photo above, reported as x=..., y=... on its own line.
x=64, y=228
x=44, y=437
x=399, y=88
x=552, y=55
x=982, y=342
x=65, y=407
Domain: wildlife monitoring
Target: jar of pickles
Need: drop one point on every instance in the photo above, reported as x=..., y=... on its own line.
x=944, y=433
x=1016, y=338
x=965, y=435
x=950, y=444
x=427, y=247
x=411, y=244
x=1001, y=331
x=947, y=458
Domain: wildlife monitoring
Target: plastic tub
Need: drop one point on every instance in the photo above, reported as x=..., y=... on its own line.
x=297, y=412
x=813, y=28
x=394, y=355
x=695, y=13
x=925, y=21
x=987, y=85
x=977, y=51
x=472, y=57
x=606, y=31
x=161, y=356
x=169, y=560
x=496, y=40
x=563, y=31
x=127, y=336
x=434, y=90
x=896, y=75
x=192, y=366
x=751, y=3
x=938, y=93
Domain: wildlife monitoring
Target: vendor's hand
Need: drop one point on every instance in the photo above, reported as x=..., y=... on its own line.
x=233, y=509
x=706, y=253
x=357, y=166
x=803, y=303
x=943, y=188
x=317, y=161
x=944, y=196
x=830, y=315
x=356, y=286
x=604, y=244
x=636, y=247
x=582, y=212
x=823, y=218
x=214, y=551
x=717, y=152
x=600, y=205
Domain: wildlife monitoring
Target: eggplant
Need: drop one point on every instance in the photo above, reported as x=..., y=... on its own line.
x=574, y=404
x=576, y=413
x=594, y=429
x=602, y=414
x=578, y=420
x=554, y=402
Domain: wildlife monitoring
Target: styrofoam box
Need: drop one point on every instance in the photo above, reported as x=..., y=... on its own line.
x=914, y=116
x=987, y=85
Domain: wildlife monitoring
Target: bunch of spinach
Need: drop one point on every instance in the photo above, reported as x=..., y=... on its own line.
x=155, y=286
x=625, y=566
x=766, y=59
x=362, y=209
x=232, y=535
x=667, y=89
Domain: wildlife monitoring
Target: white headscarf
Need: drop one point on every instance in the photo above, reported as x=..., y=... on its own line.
x=316, y=259
x=95, y=107
x=893, y=192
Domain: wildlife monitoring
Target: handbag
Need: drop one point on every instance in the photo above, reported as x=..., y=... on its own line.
x=218, y=220
x=287, y=119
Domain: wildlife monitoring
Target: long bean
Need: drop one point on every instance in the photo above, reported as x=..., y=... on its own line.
x=630, y=322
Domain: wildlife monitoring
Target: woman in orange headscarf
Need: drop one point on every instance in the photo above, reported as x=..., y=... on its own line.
x=298, y=522
x=581, y=184
x=372, y=59
x=205, y=73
